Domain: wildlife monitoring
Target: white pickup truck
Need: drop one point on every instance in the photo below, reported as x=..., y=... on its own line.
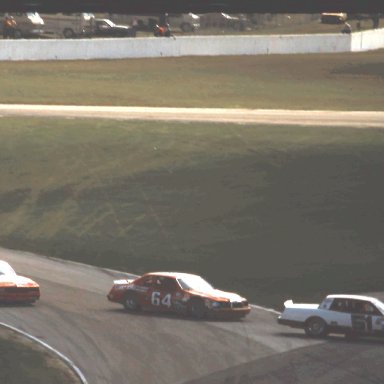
x=352, y=315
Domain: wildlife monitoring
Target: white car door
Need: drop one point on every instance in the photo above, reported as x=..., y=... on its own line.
x=366, y=317
x=338, y=315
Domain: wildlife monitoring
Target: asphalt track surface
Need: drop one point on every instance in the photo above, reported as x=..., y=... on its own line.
x=112, y=346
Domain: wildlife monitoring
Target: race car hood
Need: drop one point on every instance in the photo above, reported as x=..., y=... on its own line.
x=218, y=295
x=16, y=280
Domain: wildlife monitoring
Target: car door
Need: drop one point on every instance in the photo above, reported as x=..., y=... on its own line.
x=164, y=293
x=339, y=315
x=366, y=318
x=144, y=289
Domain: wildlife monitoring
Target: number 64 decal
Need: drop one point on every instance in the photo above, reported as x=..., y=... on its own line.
x=166, y=300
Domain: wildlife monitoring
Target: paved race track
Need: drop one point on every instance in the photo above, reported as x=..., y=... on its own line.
x=111, y=346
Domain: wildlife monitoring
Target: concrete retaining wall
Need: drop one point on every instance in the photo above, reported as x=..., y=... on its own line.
x=121, y=48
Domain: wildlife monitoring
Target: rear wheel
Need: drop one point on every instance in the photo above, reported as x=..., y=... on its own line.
x=186, y=27
x=316, y=327
x=131, y=303
x=68, y=33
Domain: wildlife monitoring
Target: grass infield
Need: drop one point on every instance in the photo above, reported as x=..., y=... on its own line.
x=351, y=81
x=272, y=212
x=24, y=362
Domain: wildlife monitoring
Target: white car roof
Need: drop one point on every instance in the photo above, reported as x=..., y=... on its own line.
x=353, y=297
x=177, y=275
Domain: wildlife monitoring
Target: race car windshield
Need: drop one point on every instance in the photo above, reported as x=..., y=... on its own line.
x=6, y=269
x=195, y=283
x=380, y=306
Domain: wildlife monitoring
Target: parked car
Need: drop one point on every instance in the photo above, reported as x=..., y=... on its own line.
x=177, y=292
x=333, y=18
x=345, y=314
x=25, y=25
x=107, y=28
x=16, y=288
x=224, y=20
x=187, y=22
x=68, y=25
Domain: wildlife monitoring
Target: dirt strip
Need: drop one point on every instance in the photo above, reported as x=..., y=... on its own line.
x=355, y=119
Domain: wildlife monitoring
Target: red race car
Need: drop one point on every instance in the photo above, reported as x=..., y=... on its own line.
x=177, y=292
x=15, y=288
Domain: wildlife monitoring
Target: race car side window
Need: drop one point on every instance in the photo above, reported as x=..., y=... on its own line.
x=147, y=281
x=339, y=305
x=365, y=307
x=169, y=285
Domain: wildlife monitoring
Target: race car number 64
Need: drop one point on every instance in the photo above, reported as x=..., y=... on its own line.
x=156, y=300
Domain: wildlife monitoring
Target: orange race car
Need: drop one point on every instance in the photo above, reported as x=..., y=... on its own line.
x=177, y=292
x=15, y=288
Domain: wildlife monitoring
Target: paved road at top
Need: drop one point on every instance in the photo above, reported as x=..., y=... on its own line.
x=359, y=119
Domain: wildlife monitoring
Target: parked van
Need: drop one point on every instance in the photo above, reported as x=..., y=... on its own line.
x=186, y=22
x=68, y=25
x=27, y=24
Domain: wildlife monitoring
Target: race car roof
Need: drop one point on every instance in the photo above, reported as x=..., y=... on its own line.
x=175, y=275
x=353, y=297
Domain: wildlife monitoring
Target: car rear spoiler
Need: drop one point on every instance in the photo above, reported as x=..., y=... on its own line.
x=122, y=281
x=288, y=303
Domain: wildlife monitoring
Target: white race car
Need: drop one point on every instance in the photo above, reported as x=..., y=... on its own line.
x=351, y=315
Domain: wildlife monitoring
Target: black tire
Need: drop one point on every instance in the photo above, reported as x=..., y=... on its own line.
x=186, y=27
x=17, y=34
x=68, y=33
x=316, y=327
x=131, y=303
x=197, y=309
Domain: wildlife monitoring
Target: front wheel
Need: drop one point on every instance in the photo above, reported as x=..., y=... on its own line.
x=186, y=27
x=197, y=309
x=68, y=33
x=316, y=327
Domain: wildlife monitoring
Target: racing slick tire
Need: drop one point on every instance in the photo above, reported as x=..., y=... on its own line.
x=197, y=309
x=315, y=327
x=131, y=302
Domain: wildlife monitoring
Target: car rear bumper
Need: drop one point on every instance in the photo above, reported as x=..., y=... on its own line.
x=290, y=323
x=19, y=297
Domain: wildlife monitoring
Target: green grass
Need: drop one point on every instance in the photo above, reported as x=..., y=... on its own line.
x=23, y=362
x=271, y=212
x=318, y=81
